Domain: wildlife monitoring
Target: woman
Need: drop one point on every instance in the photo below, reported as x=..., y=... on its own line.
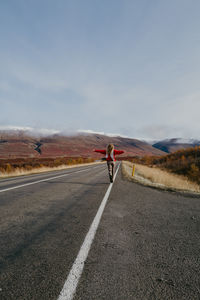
x=110, y=153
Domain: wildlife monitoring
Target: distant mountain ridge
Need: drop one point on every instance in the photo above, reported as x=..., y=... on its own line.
x=19, y=143
x=172, y=145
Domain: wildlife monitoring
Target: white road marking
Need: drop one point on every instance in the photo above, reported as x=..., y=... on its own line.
x=42, y=180
x=71, y=283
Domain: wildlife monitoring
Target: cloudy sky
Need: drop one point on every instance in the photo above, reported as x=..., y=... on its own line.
x=127, y=67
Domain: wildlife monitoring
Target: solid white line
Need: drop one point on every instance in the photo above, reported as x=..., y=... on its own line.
x=71, y=283
x=42, y=180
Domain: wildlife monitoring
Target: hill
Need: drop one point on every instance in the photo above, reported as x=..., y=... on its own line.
x=172, y=145
x=14, y=144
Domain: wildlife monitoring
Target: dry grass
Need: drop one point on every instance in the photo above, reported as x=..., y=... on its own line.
x=159, y=178
x=21, y=172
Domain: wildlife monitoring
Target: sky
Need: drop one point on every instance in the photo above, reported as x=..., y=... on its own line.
x=127, y=67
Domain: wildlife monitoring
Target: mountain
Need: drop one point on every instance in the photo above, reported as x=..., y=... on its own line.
x=172, y=145
x=19, y=143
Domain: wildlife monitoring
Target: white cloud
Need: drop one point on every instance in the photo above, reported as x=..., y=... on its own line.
x=30, y=130
x=89, y=131
x=46, y=132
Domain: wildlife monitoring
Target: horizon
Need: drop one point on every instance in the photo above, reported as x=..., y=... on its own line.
x=126, y=68
x=44, y=132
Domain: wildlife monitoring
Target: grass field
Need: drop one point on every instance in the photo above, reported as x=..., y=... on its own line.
x=25, y=166
x=156, y=177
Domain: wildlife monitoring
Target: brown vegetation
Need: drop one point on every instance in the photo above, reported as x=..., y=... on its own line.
x=159, y=178
x=182, y=162
x=8, y=166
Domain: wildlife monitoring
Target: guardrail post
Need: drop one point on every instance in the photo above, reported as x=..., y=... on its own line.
x=133, y=171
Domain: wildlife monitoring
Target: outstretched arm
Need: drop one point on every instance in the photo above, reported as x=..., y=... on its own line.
x=118, y=152
x=100, y=151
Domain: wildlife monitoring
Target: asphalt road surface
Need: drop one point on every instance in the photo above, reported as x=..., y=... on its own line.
x=147, y=245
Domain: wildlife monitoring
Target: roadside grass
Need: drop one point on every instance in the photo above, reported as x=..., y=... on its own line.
x=156, y=177
x=22, y=172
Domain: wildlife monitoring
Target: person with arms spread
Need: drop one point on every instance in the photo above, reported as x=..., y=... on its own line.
x=110, y=153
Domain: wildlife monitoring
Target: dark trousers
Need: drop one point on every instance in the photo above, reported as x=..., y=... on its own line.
x=110, y=165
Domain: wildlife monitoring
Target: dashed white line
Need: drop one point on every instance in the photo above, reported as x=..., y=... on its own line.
x=42, y=180
x=71, y=283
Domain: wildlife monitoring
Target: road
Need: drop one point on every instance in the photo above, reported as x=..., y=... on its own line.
x=147, y=244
